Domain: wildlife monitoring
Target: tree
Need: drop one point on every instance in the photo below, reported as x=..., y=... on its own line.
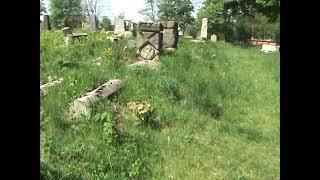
x=177, y=10
x=92, y=7
x=238, y=20
x=106, y=23
x=42, y=8
x=150, y=10
x=219, y=19
x=269, y=8
x=66, y=13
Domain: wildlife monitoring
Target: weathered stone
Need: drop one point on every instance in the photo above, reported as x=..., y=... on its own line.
x=153, y=27
x=123, y=34
x=46, y=23
x=213, y=38
x=119, y=25
x=148, y=52
x=82, y=106
x=150, y=64
x=170, y=38
x=66, y=31
x=93, y=23
x=172, y=25
x=197, y=40
x=164, y=24
x=43, y=87
x=204, y=28
x=269, y=48
x=152, y=38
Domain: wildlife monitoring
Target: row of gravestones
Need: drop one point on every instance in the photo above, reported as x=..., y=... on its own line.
x=120, y=26
x=204, y=31
x=47, y=25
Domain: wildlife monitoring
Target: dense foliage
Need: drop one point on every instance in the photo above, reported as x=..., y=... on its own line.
x=66, y=13
x=239, y=20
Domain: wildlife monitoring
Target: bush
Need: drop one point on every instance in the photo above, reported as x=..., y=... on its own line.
x=191, y=31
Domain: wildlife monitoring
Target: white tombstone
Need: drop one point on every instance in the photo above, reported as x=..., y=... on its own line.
x=204, y=29
x=119, y=25
x=213, y=38
x=267, y=48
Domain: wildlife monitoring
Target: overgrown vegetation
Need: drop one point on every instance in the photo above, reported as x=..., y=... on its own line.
x=239, y=20
x=211, y=112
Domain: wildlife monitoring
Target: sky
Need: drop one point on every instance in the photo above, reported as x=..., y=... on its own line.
x=114, y=8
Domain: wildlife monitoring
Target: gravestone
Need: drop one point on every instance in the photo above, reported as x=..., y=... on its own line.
x=93, y=23
x=153, y=38
x=204, y=29
x=180, y=33
x=149, y=40
x=213, y=38
x=46, y=23
x=267, y=48
x=119, y=25
x=170, y=34
x=67, y=31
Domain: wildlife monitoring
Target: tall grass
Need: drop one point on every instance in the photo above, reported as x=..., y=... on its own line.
x=218, y=105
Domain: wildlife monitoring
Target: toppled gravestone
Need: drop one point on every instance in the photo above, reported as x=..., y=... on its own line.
x=44, y=87
x=82, y=106
x=150, y=64
x=268, y=48
x=70, y=36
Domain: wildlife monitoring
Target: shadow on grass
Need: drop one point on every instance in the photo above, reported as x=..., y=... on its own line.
x=249, y=133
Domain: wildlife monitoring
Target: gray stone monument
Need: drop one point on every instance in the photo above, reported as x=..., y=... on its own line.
x=149, y=40
x=46, y=23
x=213, y=38
x=170, y=34
x=204, y=29
x=93, y=23
x=119, y=25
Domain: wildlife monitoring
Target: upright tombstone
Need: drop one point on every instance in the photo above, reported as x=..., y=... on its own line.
x=213, y=38
x=93, y=23
x=170, y=34
x=46, y=23
x=204, y=29
x=149, y=40
x=119, y=25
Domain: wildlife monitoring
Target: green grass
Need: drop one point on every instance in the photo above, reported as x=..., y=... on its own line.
x=218, y=104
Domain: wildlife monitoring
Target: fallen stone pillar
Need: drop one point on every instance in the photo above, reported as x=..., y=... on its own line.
x=82, y=106
x=43, y=88
x=150, y=64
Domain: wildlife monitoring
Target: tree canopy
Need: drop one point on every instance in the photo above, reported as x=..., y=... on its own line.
x=66, y=13
x=177, y=10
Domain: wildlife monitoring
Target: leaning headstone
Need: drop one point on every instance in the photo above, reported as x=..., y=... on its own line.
x=119, y=25
x=93, y=23
x=213, y=38
x=46, y=23
x=204, y=29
